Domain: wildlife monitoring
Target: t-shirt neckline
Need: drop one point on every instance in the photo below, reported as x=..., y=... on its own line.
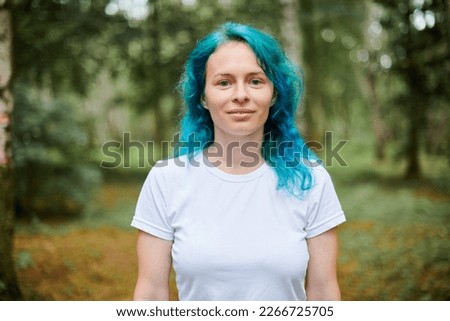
x=214, y=170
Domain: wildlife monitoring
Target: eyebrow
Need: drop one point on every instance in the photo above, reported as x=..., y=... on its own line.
x=255, y=73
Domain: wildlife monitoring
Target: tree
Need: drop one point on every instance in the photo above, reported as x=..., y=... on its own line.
x=372, y=68
x=418, y=47
x=47, y=38
x=291, y=31
x=60, y=48
x=54, y=175
x=330, y=33
x=60, y=45
x=9, y=288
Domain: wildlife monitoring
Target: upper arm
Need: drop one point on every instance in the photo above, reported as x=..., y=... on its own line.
x=321, y=278
x=154, y=263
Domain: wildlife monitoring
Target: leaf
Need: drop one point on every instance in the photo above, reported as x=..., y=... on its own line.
x=24, y=260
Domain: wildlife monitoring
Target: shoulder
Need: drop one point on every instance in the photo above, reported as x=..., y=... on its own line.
x=320, y=174
x=172, y=168
x=164, y=176
x=322, y=181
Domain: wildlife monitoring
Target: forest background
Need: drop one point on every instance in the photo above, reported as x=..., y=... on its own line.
x=88, y=103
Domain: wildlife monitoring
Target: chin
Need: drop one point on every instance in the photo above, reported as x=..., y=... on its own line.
x=243, y=131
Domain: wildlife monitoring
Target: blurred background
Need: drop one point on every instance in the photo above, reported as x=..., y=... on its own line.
x=88, y=98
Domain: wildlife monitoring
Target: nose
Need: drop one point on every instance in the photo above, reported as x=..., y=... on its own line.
x=240, y=94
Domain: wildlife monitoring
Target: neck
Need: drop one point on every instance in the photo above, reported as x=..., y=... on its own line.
x=236, y=155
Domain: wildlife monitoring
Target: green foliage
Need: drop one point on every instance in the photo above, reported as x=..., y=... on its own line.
x=59, y=44
x=416, y=105
x=24, y=260
x=54, y=174
x=59, y=49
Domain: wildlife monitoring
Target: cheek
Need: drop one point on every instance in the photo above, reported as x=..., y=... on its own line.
x=264, y=97
x=265, y=103
x=216, y=102
x=212, y=97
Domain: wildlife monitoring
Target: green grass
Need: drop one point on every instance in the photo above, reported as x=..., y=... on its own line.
x=395, y=244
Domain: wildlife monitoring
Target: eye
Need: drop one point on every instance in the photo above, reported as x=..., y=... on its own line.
x=223, y=83
x=256, y=82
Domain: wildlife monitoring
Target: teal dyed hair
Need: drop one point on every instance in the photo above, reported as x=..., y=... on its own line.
x=283, y=148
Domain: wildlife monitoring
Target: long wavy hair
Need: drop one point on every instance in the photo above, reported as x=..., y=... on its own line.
x=283, y=148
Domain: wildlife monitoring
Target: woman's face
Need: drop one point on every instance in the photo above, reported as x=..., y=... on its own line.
x=238, y=94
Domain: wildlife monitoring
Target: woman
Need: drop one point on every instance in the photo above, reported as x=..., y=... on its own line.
x=243, y=211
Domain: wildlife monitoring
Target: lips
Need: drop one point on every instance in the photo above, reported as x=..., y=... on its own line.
x=240, y=112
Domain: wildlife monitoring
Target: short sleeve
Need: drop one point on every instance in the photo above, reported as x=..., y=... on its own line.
x=151, y=209
x=324, y=209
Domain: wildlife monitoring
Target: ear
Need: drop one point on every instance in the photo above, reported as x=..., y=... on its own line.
x=203, y=101
x=274, y=98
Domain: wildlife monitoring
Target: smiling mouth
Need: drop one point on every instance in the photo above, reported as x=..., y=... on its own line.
x=241, y=112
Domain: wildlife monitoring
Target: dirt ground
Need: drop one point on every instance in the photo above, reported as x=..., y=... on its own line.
x=86, y=264
x=101, y=264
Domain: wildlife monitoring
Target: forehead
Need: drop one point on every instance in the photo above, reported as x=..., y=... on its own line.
x=234, y=54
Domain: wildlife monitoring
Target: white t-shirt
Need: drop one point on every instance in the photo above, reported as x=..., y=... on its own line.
x=235, y=237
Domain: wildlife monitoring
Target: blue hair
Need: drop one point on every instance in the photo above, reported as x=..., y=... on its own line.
x=283, y=148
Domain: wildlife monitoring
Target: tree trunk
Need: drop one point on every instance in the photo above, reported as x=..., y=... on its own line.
x=413, y=169
x=313, y=102
x=292, y=43
x=160, y=119
x=9, y=287
x=290, y=30
x=416, y=108
x=377, y=120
